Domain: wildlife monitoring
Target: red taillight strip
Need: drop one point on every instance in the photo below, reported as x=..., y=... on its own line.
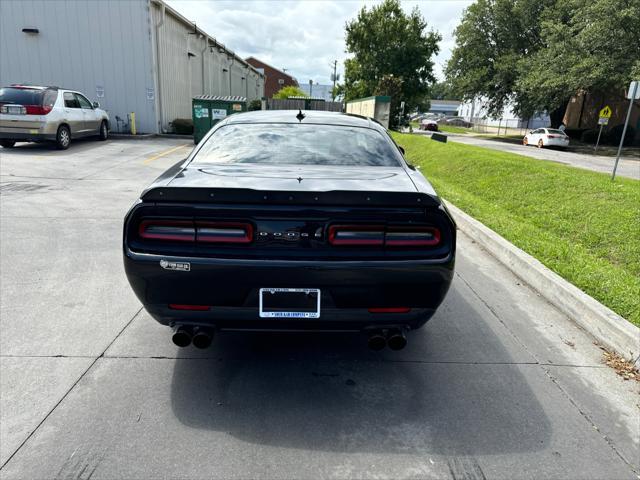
x=412, y=236
x=175, y=230
x=377, y=235
x=390, y=310
x=224, y=232
x=180, y=306
x=372, y=235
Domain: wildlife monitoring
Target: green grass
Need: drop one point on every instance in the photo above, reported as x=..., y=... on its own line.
x=578, y=223
x=453, y=129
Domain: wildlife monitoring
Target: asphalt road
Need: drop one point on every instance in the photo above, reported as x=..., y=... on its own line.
x=627, y=167
x=498, y=385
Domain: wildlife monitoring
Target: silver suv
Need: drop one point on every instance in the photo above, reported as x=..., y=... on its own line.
x=35, y=114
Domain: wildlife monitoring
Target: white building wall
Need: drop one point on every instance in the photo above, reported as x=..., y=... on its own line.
x=192, y=63
x=475, y=110
x=109, y=49
x=91, y=46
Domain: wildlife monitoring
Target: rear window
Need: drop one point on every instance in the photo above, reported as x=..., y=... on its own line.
x=298, y=144
x=555, y=132
x=26, y=96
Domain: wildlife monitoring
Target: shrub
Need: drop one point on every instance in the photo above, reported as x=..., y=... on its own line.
x=615, y=134
x=183, y=126
x=255, y=105
x=289, y=91
x=590, y=136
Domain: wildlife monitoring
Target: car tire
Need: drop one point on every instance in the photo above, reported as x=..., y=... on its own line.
x=7, y=143
x=540, y=144
x=103, y=133
x=525, y=141
x=63, y=137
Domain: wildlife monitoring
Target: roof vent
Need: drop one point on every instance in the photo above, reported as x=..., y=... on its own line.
x=33, y=31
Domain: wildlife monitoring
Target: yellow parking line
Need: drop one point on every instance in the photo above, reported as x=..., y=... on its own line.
x=166, y=152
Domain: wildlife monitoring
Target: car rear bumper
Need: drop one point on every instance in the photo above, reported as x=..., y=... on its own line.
x=20, y=134
x=552, y=142
x=230, y=288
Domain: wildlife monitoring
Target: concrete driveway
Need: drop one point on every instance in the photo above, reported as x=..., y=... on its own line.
x=497, y=385
x=627, y=167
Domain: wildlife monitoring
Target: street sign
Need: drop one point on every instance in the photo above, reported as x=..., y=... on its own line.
x=603, y=121
x=605, y=112
x=634, y=87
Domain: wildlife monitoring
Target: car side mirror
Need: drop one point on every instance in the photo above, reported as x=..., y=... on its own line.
x=401, y=149
x=96, y=104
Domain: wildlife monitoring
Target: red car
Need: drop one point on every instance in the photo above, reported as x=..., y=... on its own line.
x=429, y=125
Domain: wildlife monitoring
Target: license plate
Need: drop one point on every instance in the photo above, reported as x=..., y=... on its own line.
x=289, y=303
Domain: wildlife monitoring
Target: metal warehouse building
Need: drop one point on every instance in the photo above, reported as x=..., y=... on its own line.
x=137, y=56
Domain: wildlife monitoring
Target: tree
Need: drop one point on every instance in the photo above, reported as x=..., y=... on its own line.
x=536, y=54
x=493, y=37
x=392, y=55
x=589, y=45
x=289, y=91
x=442, y=91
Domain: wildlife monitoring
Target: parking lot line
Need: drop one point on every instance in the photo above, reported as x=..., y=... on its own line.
x=164, y=153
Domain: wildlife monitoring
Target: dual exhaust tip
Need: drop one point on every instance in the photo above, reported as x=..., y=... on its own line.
x=201, y=337
x=394, y=338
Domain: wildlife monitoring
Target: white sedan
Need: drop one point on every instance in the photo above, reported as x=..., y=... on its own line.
x=546, y=137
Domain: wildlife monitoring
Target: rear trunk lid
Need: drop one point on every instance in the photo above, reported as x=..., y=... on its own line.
x=265, y=184
x=295, y=178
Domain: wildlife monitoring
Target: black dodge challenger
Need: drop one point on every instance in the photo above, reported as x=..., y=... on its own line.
x=285, y=221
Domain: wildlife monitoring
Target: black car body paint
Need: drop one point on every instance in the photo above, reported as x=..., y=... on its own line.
x=375, y=240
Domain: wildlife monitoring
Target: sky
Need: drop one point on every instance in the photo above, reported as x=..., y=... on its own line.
x=305, y=36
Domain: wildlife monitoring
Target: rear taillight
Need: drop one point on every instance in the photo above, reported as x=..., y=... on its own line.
x=412, y=237
x=169, y=230
x=372, y=235
x=38, y=109
x=201, y=232
x=224, y=232
x=376, y=235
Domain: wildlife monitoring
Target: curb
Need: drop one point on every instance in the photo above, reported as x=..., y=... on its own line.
x=607, y=327
x=128, y=136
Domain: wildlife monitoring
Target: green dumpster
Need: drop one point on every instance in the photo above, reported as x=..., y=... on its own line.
x=208, y=110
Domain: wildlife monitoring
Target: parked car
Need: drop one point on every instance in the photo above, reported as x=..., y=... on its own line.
x=429, y=124
x=456, y=122
x=35, y=114
x=546, y=137
x=287, y=222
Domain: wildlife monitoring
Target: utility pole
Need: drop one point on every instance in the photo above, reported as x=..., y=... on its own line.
x=333, y=91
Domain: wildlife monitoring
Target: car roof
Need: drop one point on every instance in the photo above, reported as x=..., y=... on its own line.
x=315, y=117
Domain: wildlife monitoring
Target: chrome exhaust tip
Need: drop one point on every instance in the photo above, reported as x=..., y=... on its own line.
x=202, y=338
x=376, y=341
x=396, y=340
x=181, y=337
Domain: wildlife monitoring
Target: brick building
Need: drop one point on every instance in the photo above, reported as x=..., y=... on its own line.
x=274, y=79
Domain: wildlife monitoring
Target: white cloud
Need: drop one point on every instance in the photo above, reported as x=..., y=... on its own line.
x=304, y=36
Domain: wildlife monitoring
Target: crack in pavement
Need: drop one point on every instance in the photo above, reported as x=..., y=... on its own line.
x=70, y=389
x=425, y=362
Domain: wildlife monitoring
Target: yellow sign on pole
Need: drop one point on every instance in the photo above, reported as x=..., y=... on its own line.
x=605, y=112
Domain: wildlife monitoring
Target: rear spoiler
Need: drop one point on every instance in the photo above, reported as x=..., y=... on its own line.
x=275, y=197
